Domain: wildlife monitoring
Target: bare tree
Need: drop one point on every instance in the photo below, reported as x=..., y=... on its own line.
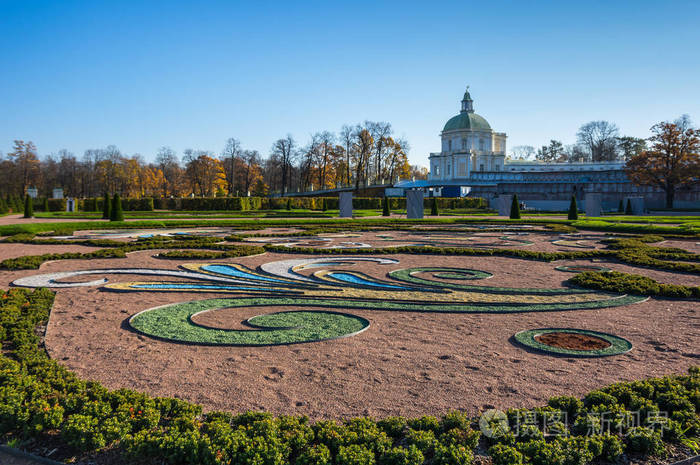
x=600, y=140
x=347, y=135
x=231, y=152
x=285, y=150
x=380, y=132
x=523, y=152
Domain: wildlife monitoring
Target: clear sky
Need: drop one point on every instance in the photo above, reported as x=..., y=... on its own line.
x=144, y=74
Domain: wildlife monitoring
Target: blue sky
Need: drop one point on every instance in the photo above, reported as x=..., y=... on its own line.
x=142, y=75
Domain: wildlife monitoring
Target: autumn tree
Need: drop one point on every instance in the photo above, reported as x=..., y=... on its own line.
x=204, y=172
x=671, y=162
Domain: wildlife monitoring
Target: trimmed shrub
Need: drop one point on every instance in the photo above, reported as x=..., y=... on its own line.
x=45, y=205
x=385, y=207
x=573, y=209
x=434, y=207
x=452, y=455
x=646, y=441
x=402, y=456
x=116, y=214
x=316, y=455
x=355, y=454
x=505, y=455
x=515, y=208
x=106, y=207
x=621, y=207
x=628, y=208
x=625, y=283
x=57, y=205
x=28, y=207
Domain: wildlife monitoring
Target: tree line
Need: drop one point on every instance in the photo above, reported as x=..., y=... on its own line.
x=358, y=155
x=596, y=141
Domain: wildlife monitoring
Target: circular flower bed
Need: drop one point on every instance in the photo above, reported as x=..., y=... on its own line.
x=573, y=342
x=581, y=268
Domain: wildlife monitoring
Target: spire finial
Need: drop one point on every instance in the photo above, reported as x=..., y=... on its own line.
x=467, y=102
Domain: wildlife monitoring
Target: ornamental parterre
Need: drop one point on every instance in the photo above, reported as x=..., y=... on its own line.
x=280, y=283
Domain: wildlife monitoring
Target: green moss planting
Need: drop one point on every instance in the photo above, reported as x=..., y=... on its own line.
x=580, y=268
x=174, y=323
x=532, y=339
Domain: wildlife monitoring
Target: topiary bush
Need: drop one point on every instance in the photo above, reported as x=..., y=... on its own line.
x=573, y=209
x=28, y=207
x=116, y=212
x=515, y=208
x=106, y=207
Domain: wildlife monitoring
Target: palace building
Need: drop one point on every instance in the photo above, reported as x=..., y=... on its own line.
x=472, y=161
x=468, y=144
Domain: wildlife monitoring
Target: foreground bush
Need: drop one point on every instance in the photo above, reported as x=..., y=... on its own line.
x=42, y=402
x=625, y=283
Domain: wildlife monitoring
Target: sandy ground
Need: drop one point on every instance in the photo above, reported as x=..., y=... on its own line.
x=405, y=363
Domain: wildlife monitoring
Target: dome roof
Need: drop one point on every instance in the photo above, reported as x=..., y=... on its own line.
x=467, y=120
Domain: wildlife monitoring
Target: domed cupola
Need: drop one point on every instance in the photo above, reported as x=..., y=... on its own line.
x=467, y=119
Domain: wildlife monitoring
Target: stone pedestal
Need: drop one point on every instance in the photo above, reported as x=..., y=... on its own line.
x=504, y=204
x=594, y=204
x=345, y=204
x=414, y=204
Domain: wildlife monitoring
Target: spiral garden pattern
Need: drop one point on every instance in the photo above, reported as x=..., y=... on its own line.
x=281, y=284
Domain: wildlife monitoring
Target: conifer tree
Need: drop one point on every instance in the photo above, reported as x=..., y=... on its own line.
x=385, y=207
x=515, y=208
x=434, y=207
x=28, y=207
x=573, y=209
x=117, y=212
x=106, y=207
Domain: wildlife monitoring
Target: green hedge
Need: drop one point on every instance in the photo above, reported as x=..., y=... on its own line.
x=626, y=283
x=277, y=203
x=41, y=403
x=128, y=204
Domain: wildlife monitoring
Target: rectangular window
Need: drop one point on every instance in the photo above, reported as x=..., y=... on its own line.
x=449, y=145
x=464, y=142
x=462, y=169
x=481, y=144
x=448, y=170
x=481, y=167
